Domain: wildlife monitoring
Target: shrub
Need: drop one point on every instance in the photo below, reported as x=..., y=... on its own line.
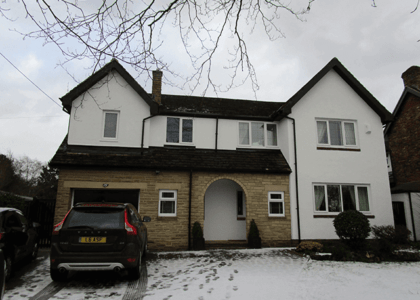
x=309, y=246
x=341, y=252
x=353, y=228
x=253, y=231
x=398, y=235
x=197, y=231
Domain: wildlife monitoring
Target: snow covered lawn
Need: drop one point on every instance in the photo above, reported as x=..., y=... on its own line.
x=276, y=274
x=230, y=274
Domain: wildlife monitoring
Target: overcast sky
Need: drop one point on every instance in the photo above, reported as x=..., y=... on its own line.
x=376, y=44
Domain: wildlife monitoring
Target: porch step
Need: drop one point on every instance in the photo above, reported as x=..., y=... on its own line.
x=213, y=245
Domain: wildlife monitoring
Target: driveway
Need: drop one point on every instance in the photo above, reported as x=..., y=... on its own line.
x=230, y=274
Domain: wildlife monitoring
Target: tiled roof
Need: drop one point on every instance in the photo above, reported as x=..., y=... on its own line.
x=165, y=158
x=222, y=107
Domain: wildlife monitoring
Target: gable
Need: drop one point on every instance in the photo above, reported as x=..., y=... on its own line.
x=351, y=81
x=92, y=80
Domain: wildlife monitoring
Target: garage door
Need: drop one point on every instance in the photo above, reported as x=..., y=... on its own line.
x=121, y=196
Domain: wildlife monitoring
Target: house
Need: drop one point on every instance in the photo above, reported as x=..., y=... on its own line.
x=291, y=166
x=403, y=150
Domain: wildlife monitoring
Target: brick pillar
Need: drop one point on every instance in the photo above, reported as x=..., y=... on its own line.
x=411, y=77
x=157, y=86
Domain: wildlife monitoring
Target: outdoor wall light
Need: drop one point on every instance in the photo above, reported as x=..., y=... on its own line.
x=105, y=185
x=157, y=172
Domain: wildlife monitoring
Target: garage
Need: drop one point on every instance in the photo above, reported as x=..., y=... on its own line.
x=105, y=195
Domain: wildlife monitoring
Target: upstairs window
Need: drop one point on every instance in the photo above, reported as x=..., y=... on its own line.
x=257, y=134
x=110, y=124
x=179, y=130
x=335, y=198
x=336, y=133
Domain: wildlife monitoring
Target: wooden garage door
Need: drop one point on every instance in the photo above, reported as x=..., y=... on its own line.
x=94, y=195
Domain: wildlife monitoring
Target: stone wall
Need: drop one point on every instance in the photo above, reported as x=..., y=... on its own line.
x=171, y=233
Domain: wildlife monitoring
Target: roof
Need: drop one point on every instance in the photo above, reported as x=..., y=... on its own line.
x=407, y=92
x=335, y=65
x=172, y=158
x=217, y=107
x=406, y=188
x=85, y=85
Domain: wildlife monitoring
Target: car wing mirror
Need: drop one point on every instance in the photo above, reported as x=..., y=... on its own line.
x=147, y=219
x=36, y=225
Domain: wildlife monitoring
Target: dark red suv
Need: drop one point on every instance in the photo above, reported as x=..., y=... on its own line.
x=99, y=236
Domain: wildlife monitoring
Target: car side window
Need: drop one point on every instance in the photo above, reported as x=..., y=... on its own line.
x=13, y=221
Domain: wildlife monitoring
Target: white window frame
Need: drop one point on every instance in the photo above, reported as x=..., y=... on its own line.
x=250, y=135
x=105, y=112
x=343, y=121
x=179, y=131
x=174, y=199
x=356, y=194
x=270, y=200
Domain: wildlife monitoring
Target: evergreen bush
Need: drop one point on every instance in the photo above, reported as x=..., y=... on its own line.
x=353, y=228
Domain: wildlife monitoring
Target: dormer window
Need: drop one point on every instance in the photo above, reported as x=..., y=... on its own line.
x=179, y=130
x=110, y=124
x=257, y=134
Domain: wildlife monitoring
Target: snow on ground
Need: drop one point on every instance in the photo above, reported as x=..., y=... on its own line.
x=233, y=274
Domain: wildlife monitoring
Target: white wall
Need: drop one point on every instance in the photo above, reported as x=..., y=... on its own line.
x=333, y=98
x=204, y=133
x=415, y=200
x=220, y=208
x=86, y=121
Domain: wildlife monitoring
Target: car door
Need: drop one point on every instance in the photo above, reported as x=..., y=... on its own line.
x=16, y=234
x=135, y=218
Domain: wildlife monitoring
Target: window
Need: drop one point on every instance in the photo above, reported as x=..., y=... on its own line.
x=276, y=204
x=257, y=134
x=167, y=203
x=240, y=204
x=336, y=133
x=335, y=198
x=179, y=130
x=110, y=124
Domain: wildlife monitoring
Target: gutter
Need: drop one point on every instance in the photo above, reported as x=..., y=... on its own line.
x=296, y=177
x=142, y=130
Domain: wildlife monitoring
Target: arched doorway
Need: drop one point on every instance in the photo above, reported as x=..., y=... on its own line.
x=224, y=211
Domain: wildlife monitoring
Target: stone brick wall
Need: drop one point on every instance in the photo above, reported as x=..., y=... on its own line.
x=404, y=142
x=171, y=233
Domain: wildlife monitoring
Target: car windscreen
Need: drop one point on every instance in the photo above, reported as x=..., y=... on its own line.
x=95, y=218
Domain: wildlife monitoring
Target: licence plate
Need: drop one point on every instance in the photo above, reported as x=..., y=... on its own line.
x=92, y=239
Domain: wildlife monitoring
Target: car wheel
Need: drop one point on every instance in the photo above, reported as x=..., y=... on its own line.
x=134, y=273
x=8, y=267
x=34, y=253
x=57, y=275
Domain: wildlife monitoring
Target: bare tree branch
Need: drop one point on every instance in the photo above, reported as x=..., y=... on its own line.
x=134, y=32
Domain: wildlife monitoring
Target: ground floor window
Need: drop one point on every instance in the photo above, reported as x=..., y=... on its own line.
x=335, y=198
x=276, y=204
x=167, y=203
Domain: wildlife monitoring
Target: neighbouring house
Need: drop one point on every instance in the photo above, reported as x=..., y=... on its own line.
x=6, y=172
x=291, y=166
x=403, y=152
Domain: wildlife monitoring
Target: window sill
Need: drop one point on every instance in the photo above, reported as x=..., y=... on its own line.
x=179, y=146
x=339, y=149
x=167, y=218
x=109, y=140
x=241, y=218
x=333, y=216
x=282, y=216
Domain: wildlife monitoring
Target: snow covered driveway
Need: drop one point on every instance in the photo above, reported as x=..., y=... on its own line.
x=230, y=274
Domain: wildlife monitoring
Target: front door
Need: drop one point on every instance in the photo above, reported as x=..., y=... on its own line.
x=399, y=214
